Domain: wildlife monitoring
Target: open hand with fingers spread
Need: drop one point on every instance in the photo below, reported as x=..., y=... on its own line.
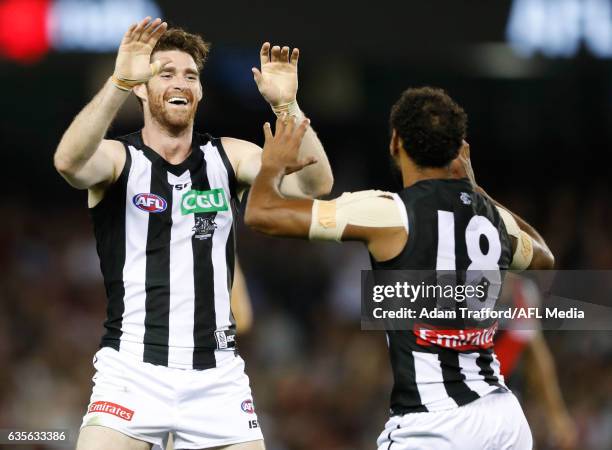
x=133, y=65
x=277, y=81
x=281, y=150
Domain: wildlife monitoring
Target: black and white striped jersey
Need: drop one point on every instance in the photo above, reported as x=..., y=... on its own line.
x=165, y=237
x=437, y=366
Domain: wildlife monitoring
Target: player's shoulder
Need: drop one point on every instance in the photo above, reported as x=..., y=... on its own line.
x=239, y=149
x=134, y=139
x=231, y=144
x=373, y=208
x=368, y=195
x=203, y=138
x=118, y=147
x=114, y=149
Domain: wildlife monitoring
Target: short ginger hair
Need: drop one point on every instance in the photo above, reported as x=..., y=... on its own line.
x=179, y=39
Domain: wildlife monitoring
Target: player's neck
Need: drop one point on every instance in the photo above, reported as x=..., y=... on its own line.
x=173, y=146
x=412, y=174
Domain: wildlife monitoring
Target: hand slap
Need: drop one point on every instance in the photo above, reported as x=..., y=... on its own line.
x=282, y=148
x=276, y=78
x=133, y=64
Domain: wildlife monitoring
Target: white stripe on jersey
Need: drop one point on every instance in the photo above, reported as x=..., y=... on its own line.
x=218, y=178
x=496, y=366
x=430, y=382
x=446, y=241
x=182, y=306
x=474, y=380
x=178, y=279
x=134, y=270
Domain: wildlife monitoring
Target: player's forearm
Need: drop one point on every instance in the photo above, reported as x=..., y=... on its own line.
x=269, y=212
x=264, y=196
x=315, y=180
x=531, y=231
x=88, y=129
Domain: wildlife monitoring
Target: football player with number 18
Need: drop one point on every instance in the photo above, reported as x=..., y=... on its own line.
x=446, y=394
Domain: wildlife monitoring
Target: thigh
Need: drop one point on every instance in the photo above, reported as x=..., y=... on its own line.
x=102, y=438
x=252, y=445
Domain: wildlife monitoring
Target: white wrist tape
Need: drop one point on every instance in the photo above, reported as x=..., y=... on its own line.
x=524, y=245
x=366, y=209
x=291, y=108
x=126, y=84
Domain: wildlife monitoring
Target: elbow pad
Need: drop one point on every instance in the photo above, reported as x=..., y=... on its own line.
x=366, y=209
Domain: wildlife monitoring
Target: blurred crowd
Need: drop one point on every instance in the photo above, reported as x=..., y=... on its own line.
x=540, y=132
x=319, y=382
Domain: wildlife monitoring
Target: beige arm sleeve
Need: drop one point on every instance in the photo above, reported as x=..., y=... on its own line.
x=365, y=208
x=524, y=245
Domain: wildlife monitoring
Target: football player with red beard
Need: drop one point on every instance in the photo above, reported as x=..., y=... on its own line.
x=163, y=202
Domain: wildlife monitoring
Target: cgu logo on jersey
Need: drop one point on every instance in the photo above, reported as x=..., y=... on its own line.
x=203, y=201
x=150, y=203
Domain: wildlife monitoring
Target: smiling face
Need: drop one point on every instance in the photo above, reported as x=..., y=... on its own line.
x=172, y=96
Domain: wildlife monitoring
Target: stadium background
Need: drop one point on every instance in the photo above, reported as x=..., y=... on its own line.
x=541, y=136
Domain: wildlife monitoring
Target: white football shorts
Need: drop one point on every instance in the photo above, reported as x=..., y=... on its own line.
x=493, y=422
x=201, y=408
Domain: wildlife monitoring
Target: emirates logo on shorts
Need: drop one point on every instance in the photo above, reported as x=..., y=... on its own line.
x=111, y=408
x=247, y=406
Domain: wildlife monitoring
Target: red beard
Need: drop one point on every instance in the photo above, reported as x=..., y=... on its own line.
x=174, y=119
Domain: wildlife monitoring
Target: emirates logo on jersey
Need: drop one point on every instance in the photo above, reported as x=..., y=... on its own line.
x=472, y=339
x=150, y=203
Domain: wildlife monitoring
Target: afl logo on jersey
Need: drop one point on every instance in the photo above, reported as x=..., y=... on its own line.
x=150, y=203
x=247, y=406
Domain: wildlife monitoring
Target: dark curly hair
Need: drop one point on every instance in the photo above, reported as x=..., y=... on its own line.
x=179, y=39
x=431, y=125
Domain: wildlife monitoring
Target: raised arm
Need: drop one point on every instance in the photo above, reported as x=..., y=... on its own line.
x=246, y=160
x=531, y=250
x=277, y=82
x=372, y=217
x=83, y=157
